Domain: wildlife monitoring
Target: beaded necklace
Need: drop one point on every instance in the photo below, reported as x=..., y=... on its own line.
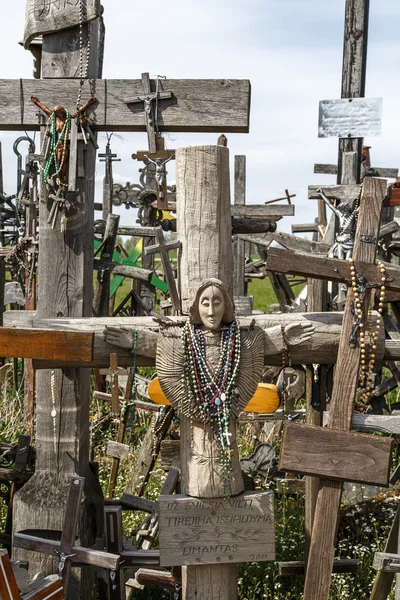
x=366, y=371
x=211, y=394
x=55, y=142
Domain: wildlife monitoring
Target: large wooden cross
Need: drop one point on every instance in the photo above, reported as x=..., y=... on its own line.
x=335, y=454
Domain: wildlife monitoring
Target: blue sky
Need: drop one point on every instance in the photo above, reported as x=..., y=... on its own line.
x=291, y=50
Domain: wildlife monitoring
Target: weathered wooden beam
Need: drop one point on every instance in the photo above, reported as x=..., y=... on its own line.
x=378, y=171
x=196, y=105
x=36, y=343
x=389, y=424
x=260, y=210
x=137, y=231
x=125, y=270
x=340, y=565
x=290, y=242
x=321, y=348
x=336, y=455
x=305, y=228
x=344, y=193
x=330, y=269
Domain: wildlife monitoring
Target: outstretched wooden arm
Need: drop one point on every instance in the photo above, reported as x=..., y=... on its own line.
x=42, y=107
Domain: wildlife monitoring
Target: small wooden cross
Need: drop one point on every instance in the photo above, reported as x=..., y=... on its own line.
x=163, y=248
x=159, y=159
x=148, y=99
x=114, y=373
x=121, y=433
x=50, y=587
x=336, y=454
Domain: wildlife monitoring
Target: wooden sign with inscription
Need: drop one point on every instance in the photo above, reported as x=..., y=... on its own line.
x=43, y=16
x=196, y=531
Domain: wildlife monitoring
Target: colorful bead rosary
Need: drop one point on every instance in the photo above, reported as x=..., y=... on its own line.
x=211, y=393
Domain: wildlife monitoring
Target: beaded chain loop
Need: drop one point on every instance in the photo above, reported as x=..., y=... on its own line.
x=211, y=395
x=367, y=370
x=54, y=144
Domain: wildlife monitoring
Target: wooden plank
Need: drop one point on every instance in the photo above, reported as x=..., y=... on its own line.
x=38, y=343
x=124, y=270
x=336, y=455
x=380, y=423
x=378, y=171
x=117, y=450
x=344, y=193
x=55, y=16
x=170, y=454
x=305, y=228
x=387, y=562
x=240, y=180
x=137, y=231
x=330, y=269
x=218, y=105
x=340, y=565
x=260, y=210
x=290, y=242
x=206, y=531
x=87, y=556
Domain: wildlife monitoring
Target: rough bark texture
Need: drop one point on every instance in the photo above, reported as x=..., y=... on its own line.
x=203, y=218
x=204, y=228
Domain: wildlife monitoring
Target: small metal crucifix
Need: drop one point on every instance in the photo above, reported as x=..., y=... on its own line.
x=159, y=159
x=150, y=112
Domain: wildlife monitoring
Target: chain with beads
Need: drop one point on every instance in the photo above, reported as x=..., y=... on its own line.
x=367, y=365
x=52, y=161
x=211, y=393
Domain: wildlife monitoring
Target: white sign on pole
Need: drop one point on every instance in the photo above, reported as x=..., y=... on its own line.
x=350, y=117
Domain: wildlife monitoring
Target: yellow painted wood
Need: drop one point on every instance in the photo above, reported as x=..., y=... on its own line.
x=265, y=400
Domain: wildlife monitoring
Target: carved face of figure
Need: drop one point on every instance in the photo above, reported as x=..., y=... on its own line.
x=211, y=307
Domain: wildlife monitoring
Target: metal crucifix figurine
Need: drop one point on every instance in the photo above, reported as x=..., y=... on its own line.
x=344, y=239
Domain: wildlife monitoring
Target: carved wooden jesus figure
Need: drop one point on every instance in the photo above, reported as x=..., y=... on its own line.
x=209, y=370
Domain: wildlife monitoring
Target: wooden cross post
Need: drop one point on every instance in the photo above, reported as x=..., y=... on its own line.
x=163, y=248
x=114, y=373
x=239, y=245
x=119, y=446
x=309, y=449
